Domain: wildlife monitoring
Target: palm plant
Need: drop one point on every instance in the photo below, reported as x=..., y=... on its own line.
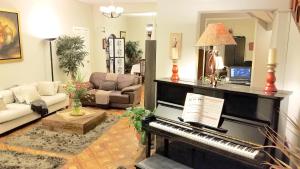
x=71, y=53
x=133, y=55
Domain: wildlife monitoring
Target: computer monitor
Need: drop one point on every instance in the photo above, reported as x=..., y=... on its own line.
x=240, y=73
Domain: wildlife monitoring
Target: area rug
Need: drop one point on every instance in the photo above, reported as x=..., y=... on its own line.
x=43, y=139
x=16, y=160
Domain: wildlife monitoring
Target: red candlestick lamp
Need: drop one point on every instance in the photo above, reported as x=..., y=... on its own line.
x=271, y=78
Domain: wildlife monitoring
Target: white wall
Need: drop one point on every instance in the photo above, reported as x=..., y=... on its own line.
x=280, y=37
x=37, y=18
x=183, y=17
x=261, y=45
x=111, y=26
x=136, y=29
x=292, y=78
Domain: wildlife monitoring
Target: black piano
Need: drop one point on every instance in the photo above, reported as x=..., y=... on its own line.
x=234, y=144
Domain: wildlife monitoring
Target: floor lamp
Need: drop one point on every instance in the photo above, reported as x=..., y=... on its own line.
x=214, y=35
x=51, y=60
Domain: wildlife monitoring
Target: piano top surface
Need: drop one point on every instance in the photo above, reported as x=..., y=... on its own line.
x=280, y=94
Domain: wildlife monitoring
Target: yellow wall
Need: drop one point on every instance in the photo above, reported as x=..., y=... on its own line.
x=36, y=17
x=241, y=27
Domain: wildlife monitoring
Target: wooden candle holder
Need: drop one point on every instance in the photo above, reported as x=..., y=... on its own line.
x=271, y=79
x=175, y=76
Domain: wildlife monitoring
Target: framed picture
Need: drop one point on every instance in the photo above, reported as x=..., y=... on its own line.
x=123, y=34
x=111, y=47
x=10, y=40
x=104, y=43
x=119, y=66
x=295, y=7
x=119, y=48
x=175, y=45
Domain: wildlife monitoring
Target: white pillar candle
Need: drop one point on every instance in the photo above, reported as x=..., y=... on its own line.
x=175, y=54
x=272, y=56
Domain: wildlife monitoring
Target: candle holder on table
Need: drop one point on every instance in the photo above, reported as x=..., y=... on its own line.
x=271, y=79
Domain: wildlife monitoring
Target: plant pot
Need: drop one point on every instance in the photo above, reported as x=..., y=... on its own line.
x=76, y=108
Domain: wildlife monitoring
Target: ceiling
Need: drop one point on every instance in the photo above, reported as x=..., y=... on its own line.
x=117, y=1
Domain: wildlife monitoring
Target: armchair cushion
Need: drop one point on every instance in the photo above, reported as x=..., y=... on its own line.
x=96, y=77
x=125, y=80
x=107, y=85
x=117, y=97
x=131, y=88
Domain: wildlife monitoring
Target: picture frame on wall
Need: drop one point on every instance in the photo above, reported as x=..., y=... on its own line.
x=295, y=8
x=119, y=48
x=104, y=43
x=123, y=34
x=10, y=39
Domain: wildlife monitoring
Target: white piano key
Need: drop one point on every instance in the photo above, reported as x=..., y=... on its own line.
x=205, y=139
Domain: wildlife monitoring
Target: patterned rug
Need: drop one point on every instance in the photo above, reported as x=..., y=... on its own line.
x=42, y=139
x=16, y=160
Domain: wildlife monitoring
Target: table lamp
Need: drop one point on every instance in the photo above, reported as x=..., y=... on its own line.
x=214, y=35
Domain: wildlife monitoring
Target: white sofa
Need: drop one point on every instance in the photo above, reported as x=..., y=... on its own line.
x=17, y=114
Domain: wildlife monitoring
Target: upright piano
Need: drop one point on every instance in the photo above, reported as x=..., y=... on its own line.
x=235, y=144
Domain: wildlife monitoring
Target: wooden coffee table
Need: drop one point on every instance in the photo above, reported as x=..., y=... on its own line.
x=62, y=121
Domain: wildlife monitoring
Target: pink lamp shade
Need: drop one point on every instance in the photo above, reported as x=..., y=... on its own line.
x=216, y=34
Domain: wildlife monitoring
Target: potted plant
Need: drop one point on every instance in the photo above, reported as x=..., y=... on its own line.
x=133, y=55
x=70, y=52
x=290, y=150
x=76, y=89
x=135, y=116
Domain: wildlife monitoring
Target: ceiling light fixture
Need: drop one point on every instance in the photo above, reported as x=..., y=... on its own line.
x=111, y=11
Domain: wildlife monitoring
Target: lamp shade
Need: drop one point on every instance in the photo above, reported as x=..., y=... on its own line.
x=216, y=34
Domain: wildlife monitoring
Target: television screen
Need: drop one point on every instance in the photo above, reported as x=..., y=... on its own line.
x=239, y=73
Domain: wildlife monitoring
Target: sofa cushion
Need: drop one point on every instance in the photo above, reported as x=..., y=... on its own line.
x=30, y=94
x=47, y=88
x=7, y=96
x=14, y=111
x=2, y=104
x=96, y=77
x=125, y=80
x=51, y=100
x=117, y=97
x=18, y=94
x=107, y=85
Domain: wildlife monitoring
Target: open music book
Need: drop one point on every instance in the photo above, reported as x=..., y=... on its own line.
x=202, y=109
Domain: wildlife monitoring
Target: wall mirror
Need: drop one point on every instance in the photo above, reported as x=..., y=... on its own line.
x=252, y=31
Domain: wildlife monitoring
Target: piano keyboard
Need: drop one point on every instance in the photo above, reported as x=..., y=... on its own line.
x=189, y=133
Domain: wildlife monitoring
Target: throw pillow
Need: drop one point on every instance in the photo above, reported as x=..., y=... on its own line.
x=2, y=104
x=107, y=85
x=18, y=94
x=56, y=86
x=7, y=96
x=46, y=88
x=30, y=94
x=125, y=80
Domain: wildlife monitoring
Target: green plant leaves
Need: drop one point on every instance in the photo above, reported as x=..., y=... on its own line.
x=70, y=52
x=133, y=55
x=135, y=116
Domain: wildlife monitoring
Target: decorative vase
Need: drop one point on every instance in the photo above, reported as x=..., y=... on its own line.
x=77, y=108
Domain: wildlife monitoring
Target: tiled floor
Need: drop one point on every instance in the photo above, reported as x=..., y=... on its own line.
x=118, y=146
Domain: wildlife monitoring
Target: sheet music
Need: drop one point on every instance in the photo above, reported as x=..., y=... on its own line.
x=202, y=109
